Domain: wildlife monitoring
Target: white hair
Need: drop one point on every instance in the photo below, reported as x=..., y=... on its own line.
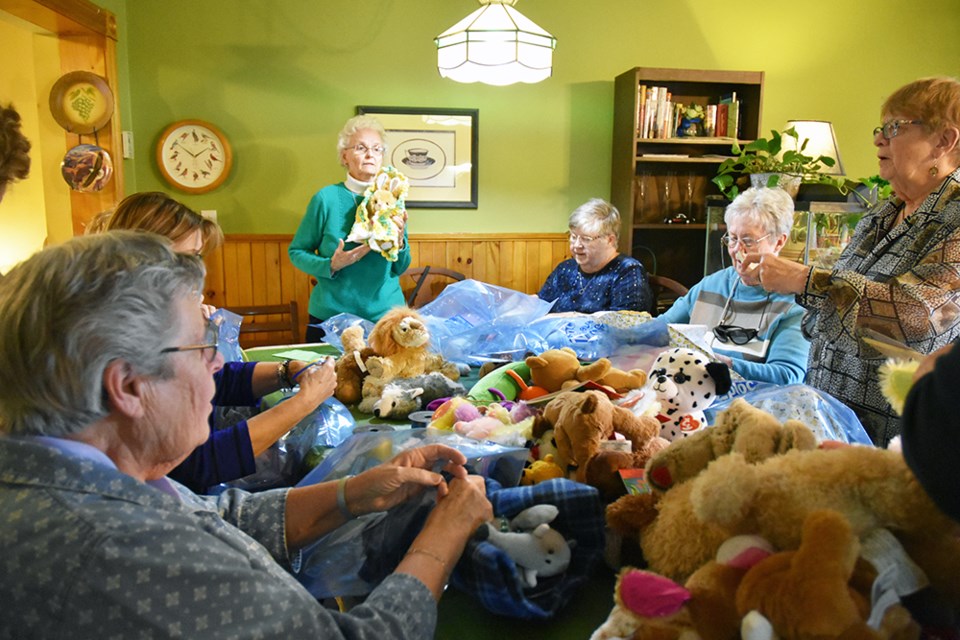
x=771, y=209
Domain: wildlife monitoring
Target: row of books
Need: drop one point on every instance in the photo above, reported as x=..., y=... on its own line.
x=659, y=117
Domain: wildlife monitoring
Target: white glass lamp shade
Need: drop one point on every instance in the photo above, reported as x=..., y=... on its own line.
x=497, y=45
x=822, y=141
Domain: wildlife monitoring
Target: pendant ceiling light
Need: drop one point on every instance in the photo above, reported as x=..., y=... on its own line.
x=496, y=45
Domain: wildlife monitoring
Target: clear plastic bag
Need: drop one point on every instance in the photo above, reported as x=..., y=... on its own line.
x=283, y=464
x=228, y=339
x=599, y=335
x=353, y=559
x=829, y=418
x=333, y=327
x=475, y=322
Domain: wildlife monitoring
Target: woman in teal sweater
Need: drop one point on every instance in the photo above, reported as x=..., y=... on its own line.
x=755, y=332
x=352, y=278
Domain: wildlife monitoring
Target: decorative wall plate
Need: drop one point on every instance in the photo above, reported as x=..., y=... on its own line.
x=81, y=102
x=86, y=168
x=194, y=156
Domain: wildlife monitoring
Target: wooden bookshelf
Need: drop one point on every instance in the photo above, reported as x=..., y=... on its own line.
x=655, y=178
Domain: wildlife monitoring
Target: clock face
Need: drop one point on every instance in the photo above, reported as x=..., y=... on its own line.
x=194, y=156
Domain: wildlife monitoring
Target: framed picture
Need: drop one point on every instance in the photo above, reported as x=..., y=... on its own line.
x=436, y=149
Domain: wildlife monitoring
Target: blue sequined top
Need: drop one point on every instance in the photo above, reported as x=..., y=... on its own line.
x=620, y=285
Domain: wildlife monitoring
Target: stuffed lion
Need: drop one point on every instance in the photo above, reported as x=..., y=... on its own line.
x=400, y=341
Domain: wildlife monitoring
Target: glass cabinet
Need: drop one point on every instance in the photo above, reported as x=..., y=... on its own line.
x=820, y=232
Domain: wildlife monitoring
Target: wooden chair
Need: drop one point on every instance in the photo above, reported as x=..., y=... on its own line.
x=260, y=319
x=665, y=291
x=428, y=283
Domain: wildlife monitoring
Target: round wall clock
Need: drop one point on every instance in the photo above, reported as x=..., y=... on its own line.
x=194, y=156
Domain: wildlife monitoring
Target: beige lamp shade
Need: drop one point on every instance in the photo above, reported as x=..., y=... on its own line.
x=497, y=45
x=822, y=141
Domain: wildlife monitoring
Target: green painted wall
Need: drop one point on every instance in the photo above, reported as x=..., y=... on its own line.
x=280, y=77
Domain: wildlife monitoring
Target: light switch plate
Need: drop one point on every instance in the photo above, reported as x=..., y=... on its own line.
x=127, y=138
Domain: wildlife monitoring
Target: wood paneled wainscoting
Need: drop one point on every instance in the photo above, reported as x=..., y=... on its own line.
x=255, y=269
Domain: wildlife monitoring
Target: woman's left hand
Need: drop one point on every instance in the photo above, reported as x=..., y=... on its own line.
x=403, y=477
x=774, y=273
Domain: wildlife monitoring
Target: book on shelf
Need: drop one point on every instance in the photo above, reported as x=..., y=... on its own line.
x=732, y=109
x=721, y=128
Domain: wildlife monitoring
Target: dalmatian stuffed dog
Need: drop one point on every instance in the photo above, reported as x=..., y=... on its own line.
x=685, y=382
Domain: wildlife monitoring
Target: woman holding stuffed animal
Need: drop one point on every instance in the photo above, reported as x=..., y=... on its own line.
x=900, y=274
x=230, y=452
x=597, y=277
x=351, y=277
x=755, y=332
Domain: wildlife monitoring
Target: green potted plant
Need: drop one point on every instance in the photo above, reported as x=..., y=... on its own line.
x=765, y=157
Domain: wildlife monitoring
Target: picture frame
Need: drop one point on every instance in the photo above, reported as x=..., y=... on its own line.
x=436, y=149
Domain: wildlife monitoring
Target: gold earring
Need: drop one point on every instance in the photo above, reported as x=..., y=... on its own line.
x=934, y=170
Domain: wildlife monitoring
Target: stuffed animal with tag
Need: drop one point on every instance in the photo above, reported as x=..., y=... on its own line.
x=685, y=382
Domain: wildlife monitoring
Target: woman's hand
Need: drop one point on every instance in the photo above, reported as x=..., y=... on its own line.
x=403, y=477
x=317, y=382
x=343, y=258
x=773, y=273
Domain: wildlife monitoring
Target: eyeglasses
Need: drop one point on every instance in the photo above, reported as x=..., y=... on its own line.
x=892, y=128
x=363, y=149
x=575, y=238
x=211, y=340
x=732, y=333
x=747, y=243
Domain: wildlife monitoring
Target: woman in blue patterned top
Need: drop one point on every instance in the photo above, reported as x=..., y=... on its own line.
x=597, y=277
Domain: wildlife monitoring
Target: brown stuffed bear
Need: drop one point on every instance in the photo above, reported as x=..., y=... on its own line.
x=581, y=421
x=741, y=428
x=559, y=369
x=351, y=366
x=872, y=488
x=821, y=590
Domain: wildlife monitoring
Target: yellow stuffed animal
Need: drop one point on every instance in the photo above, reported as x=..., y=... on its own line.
x=377, y=215
x=558, y=369
x=400, y=341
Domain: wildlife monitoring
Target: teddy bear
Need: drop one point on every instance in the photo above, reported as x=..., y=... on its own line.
x=741, y=428
x=557, y=369
x=820, y=590
x=872, y=488
x=350, y=367
x=399, y=340
x=685, y=382
x=809, y=592
x=582, y=421
x=376, y=220
x=650, y=606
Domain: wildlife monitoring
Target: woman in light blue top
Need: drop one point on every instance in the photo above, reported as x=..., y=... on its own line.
x=755, y=332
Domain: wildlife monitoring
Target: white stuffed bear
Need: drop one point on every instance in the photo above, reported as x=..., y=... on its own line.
x=685, y=382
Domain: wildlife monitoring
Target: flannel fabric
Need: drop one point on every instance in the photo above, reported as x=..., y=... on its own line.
x=902, y=281
x=488, y=574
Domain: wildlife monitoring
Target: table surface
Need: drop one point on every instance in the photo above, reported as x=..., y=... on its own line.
x=461, y=617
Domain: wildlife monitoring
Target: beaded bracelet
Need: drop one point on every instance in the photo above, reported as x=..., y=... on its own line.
x=342, y=498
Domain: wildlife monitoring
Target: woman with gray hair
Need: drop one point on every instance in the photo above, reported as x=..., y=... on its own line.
x=755, y=332
x=106, y=376
x=349, y=279
x=597, y=277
